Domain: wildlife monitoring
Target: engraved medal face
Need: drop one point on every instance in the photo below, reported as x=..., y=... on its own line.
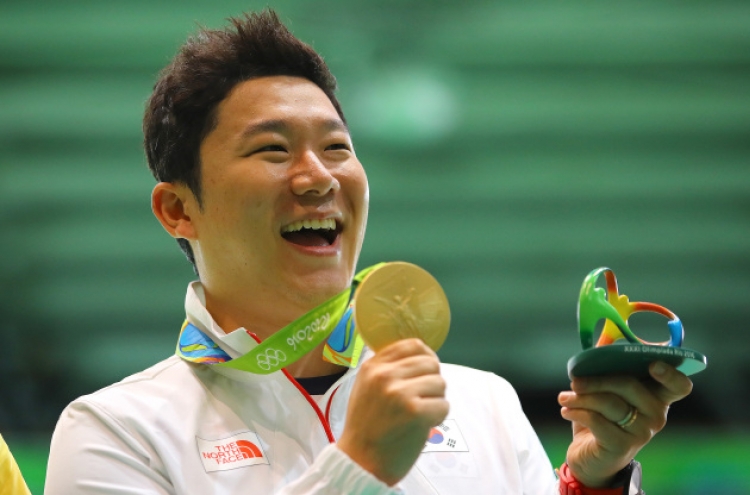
x=400, y=301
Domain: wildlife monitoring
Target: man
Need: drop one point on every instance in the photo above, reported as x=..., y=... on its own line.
x=259, y=182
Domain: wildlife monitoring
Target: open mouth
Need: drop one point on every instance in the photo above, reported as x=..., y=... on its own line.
x=312, y=232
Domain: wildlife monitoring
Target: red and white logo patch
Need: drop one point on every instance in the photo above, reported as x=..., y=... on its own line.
x=243, y=449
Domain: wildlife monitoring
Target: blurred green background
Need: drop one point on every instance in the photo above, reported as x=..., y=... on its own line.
x=511, y=148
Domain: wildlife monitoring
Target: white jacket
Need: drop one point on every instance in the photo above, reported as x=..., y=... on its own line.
x=183, y=428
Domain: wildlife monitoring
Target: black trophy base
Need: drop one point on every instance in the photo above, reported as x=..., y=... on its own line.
x=633, y=359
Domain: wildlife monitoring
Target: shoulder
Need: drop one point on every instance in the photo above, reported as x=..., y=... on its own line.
x=127, y=430
x=12, y=479
x=485, y=408
x=163, y=375
x=476, y=380
x=478, y=393
x=166, y=384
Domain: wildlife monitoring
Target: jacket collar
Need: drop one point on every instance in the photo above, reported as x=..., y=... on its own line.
x=237, y=342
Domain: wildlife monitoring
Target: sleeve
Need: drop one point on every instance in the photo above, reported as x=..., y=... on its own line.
x=11, y=480
x=537, y=474
x=536, y=469
x=91, y=453
x=334, y=473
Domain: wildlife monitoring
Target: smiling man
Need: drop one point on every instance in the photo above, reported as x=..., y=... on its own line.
x=281, y=215
x=260, y=185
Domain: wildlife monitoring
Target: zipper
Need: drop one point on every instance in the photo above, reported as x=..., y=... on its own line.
x=328, y=406
x=323, y=418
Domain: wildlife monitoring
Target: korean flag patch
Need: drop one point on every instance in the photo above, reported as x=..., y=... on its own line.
x=446, y=437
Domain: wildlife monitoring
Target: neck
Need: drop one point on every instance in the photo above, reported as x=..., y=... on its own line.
x=261, y=319
x=264, y=318
x=312, y=364
x=264, y=303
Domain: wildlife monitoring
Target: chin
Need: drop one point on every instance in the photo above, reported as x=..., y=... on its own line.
x=331, y=282
x=322, y=283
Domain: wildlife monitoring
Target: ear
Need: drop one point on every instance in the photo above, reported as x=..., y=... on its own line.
x=173, y=205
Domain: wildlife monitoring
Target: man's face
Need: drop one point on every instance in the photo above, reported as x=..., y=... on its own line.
x=285, y=199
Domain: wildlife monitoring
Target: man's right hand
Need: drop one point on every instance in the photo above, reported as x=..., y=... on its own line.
x=398, y=396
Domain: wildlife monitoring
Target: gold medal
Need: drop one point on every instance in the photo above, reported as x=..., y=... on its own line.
x=400, y=301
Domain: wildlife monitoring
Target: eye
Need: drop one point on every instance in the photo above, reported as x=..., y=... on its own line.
x=273, y=152
x=271, y=148
x=338, y=146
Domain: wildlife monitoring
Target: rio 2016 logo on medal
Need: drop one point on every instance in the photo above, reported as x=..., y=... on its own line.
x=619, y=350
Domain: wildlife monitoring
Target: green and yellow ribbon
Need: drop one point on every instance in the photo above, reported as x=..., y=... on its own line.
x=333, y=320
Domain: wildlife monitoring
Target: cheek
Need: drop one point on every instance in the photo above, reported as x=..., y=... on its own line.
x=358, y=187
x=365, y=206
x=360, y=203
x=365, y=202
x=233, y=208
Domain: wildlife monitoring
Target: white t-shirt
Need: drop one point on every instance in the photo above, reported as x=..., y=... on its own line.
x=184, y=428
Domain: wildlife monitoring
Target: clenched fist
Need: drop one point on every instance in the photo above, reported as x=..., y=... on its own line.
x=398, y=396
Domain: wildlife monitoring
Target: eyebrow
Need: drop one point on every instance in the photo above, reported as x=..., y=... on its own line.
x=281, y=126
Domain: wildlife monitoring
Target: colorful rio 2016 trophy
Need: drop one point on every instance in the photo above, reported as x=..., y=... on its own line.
x=619, y=350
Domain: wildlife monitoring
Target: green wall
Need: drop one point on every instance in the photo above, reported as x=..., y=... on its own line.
x=511, y=147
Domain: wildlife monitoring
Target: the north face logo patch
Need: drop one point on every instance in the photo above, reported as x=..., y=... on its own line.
x=243, y=449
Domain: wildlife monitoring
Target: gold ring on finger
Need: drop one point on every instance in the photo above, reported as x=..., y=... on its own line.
x=629, y=418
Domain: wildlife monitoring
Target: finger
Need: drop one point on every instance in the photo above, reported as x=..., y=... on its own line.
x=674, y=385
x=422, y=386
x=629, y=388
x=612, y=407
x=404, y=348
x=414, y=366
x=603, y=429
x=404, y=368
x=605, y=447
x=434, y=410
x=610, y=436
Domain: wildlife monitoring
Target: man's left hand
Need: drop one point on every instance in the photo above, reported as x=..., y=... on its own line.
x=600, y=447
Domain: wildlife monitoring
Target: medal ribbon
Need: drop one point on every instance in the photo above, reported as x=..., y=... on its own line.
x=332, y=318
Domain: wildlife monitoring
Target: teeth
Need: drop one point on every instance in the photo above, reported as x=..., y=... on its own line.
x=327, y=224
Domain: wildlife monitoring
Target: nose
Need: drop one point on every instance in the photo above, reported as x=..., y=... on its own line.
x=310, y=176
